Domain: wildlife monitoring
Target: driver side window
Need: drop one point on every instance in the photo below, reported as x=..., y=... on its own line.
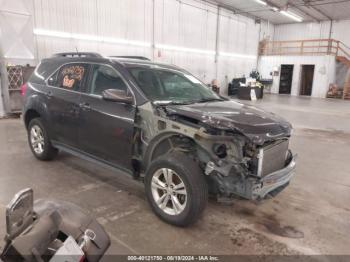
x=105, y=77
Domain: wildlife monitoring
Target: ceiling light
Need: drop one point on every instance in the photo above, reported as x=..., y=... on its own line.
x=184, y=49
x=235, y=55
x=261, y=2
x=274, y=8
x=292, y=16
x=95, y=38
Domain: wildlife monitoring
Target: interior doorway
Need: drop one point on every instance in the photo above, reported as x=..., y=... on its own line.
x=307, y=79
x=286, y=79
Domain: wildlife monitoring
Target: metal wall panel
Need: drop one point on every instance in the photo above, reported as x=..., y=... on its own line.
x=122, y=19
x=340, y=31
x=302, y=31
x=186, y=24
x=238, y=35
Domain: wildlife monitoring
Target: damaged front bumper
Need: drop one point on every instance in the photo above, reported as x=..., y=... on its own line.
x=274, y=182
x=252, y=187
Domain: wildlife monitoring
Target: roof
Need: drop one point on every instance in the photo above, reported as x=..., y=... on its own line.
x=145, y=63
x=308, y=10
x=89, y=57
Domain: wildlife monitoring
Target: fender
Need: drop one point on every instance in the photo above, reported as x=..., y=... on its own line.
x=36, y=101
x=158, y=139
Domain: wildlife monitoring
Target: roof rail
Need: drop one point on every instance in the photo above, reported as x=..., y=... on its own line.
x=77, y=54
x=132, y=57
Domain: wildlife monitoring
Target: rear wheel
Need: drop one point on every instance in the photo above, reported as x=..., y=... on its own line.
x=39, y=141
x=176, y=189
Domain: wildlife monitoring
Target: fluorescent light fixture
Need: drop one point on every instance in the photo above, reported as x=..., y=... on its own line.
x=235, y=55
x=18, y=57
x=261, y=2
x=292, y=16
x=94, y=38
x=185, y=49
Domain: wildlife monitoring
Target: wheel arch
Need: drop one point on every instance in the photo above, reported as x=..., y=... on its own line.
x=29, y=115
x=158, y=146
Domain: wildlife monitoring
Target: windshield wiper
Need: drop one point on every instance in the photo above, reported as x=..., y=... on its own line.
x=205, y=100
x=169, y=102
x=166, y=102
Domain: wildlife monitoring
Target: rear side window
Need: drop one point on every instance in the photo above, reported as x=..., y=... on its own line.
x=70, y=77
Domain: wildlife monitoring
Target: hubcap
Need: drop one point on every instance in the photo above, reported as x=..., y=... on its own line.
x=169, y=191
x=37, y=139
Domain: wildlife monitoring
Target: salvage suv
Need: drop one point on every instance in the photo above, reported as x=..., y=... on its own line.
x=161, y=125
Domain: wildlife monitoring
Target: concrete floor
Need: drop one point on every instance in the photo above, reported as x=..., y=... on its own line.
x=311, y=216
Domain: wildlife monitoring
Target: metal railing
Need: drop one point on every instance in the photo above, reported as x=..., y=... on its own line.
x=304, y=47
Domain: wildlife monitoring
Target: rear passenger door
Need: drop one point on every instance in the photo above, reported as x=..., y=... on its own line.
x=107, y=127
x=64, y=93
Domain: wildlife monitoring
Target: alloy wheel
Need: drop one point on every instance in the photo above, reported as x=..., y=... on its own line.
x=37, y=139
x=169, y=191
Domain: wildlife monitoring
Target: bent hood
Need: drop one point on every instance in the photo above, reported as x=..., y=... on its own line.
x=256, y=124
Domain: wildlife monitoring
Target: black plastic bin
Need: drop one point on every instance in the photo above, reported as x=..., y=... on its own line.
x=244, y=92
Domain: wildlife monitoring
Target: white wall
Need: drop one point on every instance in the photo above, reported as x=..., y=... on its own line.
x=302, y=31
x=325, y=70
x=340, y=31
x=324, y=73
x=186, y=24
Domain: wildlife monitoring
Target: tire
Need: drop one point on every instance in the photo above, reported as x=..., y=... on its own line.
x=182, y=169
x=46, y=151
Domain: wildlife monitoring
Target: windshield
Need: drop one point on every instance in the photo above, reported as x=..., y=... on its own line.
x=164, y=86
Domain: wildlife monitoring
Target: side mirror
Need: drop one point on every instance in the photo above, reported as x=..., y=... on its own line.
x=117, y=95
x=19, y=213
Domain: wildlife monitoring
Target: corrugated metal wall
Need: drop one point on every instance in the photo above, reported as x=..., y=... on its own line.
x=340, y=31
x=122, y=19
x=304, y=31
x=188, y=26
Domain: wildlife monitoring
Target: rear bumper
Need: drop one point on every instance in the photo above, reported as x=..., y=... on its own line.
x=274, y=181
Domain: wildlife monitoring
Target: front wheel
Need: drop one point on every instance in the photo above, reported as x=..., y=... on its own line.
x=176, y=189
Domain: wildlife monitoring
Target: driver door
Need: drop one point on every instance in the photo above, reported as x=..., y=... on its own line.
x=107, y=127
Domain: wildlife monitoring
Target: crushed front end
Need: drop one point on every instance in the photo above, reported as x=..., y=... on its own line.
x=264, y=171
x=243, y=151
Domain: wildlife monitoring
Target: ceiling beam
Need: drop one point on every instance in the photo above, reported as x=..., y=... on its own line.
x=303, y=11
x=234, y=10
x=309, y=4
x=291, y=5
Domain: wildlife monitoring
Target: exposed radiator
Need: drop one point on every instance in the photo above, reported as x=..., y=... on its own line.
x=272, y=157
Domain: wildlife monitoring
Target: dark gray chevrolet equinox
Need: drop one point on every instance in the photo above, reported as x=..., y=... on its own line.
x=160, y=124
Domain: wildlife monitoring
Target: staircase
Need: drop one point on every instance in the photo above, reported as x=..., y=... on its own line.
x=346, y=89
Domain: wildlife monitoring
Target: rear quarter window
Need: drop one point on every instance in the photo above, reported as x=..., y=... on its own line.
x=70, y=77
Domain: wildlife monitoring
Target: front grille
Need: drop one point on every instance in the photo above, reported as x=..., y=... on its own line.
x=272, y=157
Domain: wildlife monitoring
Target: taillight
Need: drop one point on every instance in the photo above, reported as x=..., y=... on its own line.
x=23, y=89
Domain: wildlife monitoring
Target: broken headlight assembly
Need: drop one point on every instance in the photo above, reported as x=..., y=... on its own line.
x=220, y=150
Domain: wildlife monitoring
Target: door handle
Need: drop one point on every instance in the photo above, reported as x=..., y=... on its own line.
x=85, y=106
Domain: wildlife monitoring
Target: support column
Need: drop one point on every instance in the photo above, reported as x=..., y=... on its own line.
x=217, y=41
x=153, y=29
